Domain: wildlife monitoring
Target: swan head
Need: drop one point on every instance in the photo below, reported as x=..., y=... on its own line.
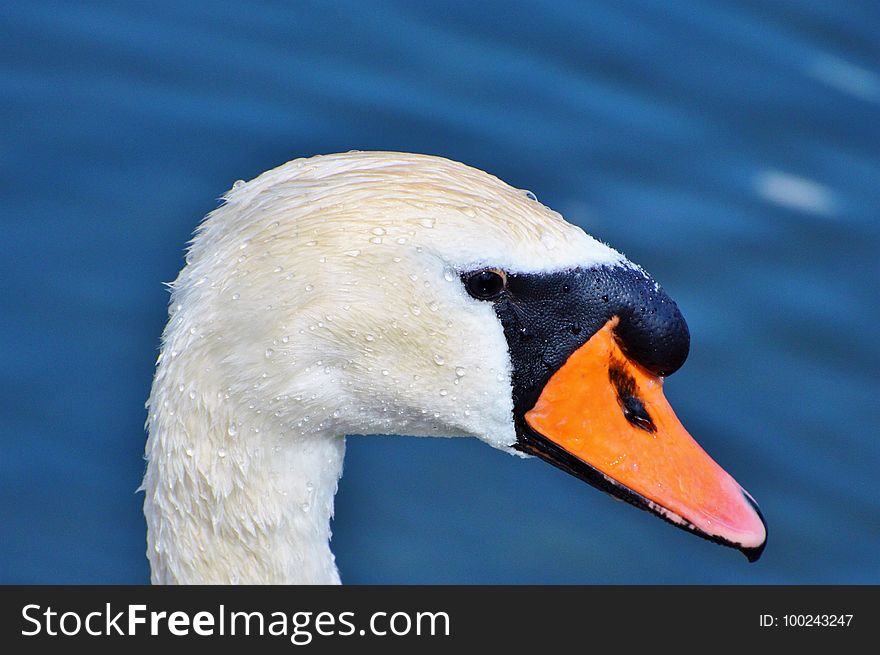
x=407, y=294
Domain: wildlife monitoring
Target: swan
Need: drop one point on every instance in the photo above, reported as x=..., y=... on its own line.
x=393, y=293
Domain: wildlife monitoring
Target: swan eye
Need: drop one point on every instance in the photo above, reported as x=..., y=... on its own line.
x=486, y=284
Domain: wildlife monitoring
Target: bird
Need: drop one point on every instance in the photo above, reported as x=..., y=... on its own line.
x=398, y=293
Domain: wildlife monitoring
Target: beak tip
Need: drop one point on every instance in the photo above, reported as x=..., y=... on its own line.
x=753, y=553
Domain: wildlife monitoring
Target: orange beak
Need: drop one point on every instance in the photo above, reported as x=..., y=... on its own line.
x=603, y=410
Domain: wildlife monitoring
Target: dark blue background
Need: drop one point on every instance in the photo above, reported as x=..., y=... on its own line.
x=730, y=148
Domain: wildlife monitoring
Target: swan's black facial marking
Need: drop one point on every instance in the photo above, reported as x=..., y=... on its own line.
x=547, y=316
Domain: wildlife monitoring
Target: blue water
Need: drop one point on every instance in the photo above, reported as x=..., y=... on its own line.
x=733, y=149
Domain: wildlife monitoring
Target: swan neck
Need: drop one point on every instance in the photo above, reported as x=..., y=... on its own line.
x=230, y=498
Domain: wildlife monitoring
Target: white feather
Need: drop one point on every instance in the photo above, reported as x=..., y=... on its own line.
x=323, y=299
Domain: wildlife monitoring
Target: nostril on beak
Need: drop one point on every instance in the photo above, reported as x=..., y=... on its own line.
x=632, y=406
